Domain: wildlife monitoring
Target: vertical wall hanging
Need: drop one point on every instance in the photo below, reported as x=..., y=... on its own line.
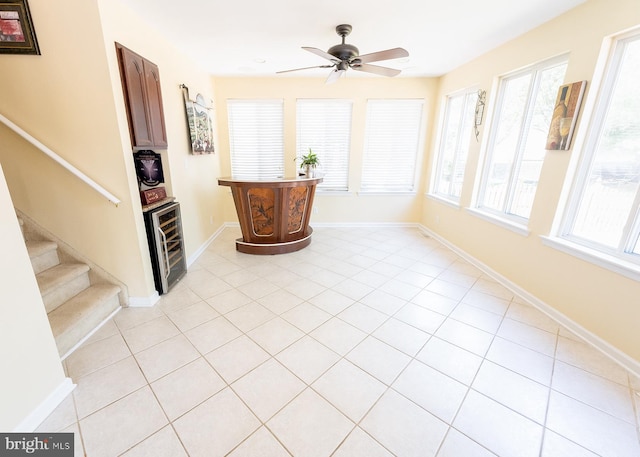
x=565, y=114
x=479, y=113
x=200, y=122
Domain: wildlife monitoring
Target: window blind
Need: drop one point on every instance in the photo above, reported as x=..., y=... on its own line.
x=391, y=145
x=256, y=138
x=325, y=127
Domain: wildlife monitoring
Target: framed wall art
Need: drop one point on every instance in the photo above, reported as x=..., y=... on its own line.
x=200, y=123
x=565, y=114
x=17, y=35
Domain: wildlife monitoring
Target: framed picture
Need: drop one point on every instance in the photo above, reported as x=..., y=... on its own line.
x=200, y=124
x=565, y=114
x=148, y=169
x=17, y=35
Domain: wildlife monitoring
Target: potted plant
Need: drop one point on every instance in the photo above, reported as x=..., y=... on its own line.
x=309, y=162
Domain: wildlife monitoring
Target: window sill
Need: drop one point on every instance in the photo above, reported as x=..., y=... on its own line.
x=606, y=261
x=378, y=193
x=504, y=223
x=443, y=200
x=333, y=193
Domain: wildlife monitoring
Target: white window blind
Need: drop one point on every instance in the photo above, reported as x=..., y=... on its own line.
x=391, y=145
x=454, y=144
x=325, y=127
x=256, y=138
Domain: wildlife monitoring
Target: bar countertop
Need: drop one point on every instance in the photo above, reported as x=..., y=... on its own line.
x=283, y=181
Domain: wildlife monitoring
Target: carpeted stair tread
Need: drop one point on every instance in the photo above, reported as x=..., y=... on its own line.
x=38, y=248
x=43, y=255
x=77, y=317
x=52, y=278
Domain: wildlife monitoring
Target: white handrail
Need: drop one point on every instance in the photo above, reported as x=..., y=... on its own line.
x=87, y=180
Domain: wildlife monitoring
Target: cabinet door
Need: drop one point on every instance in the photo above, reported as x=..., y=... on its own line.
x=134, y=86
x=154, y=98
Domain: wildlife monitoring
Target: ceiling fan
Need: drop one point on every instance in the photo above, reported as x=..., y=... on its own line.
x=344, y=56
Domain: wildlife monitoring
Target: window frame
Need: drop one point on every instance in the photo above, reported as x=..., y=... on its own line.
x=621, y=258
x=469, y=95
x=513, y=221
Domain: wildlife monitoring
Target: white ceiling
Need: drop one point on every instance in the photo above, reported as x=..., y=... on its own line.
x=260, y=37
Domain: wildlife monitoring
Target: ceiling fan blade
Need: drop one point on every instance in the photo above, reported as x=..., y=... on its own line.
x=382, y=71
x=305, y=68
x=394, y=53
x=321, y=53
x=334, y=76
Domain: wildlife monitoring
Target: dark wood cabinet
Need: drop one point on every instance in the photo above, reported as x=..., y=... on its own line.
x=143, y=97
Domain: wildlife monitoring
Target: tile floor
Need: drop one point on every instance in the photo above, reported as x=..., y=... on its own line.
x=370, y=342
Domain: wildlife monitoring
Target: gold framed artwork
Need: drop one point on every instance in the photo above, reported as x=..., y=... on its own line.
x=17, y=35
x=565, y=114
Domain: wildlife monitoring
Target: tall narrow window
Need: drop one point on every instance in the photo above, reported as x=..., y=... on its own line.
x=517, y=139
x=391, y=146
x=325, y=127
x=256, y=138
x=604, y=206
x=454, y=144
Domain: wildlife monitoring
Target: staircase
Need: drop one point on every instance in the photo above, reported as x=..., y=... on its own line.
x=78, y=299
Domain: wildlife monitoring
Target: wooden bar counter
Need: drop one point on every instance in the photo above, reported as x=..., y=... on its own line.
x=274, y=214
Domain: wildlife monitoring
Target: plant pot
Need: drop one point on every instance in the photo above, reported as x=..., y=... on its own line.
x=309, y=171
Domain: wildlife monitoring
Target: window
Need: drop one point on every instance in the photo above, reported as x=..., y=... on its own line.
x=256, y=138
x=604, y=205
x=325, y=127
x=391, y=145
x=454, y=144
x=517, y=139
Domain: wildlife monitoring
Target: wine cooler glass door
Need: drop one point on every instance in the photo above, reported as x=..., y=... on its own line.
x=169, y=246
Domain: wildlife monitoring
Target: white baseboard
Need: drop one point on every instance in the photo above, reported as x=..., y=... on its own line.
x=193, y=257
x=363, y=224
x=613, y=353
x=42, y=411
x=144, y=302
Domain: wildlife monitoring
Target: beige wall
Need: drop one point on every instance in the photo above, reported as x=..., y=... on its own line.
x=343, y=207
x=63, y=98
x=31, y=368
x=190, y=178
x=70, y=98
x=604, y=303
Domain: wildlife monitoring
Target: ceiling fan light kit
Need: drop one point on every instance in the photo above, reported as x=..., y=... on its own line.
x=344, y=56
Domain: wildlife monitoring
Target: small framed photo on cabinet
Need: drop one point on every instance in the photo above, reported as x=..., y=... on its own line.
x=17, y=35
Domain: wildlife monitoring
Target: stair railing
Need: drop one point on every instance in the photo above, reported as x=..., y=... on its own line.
x=77, y=173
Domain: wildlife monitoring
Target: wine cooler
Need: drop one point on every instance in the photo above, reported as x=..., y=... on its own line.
x=166, y=244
